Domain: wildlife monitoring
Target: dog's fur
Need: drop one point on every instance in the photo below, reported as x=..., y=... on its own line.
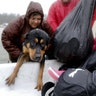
x=34, y=48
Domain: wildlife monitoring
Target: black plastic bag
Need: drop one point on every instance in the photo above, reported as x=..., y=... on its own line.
x=90, y=62
x=73, y=39
x=73, y=82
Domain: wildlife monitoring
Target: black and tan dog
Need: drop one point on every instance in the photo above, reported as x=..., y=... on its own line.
x=34, y=48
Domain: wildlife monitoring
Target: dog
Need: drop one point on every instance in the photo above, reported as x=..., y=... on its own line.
x=34, y=49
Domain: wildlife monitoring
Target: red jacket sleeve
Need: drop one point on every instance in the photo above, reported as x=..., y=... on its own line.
x=94, y=45
x=51, y=18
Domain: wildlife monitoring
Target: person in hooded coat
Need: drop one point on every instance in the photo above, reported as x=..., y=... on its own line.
x=13, y=35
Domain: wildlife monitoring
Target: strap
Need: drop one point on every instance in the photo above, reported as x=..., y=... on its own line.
x=46, y=87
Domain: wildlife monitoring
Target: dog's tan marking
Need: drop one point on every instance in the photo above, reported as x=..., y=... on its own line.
x=41, y=41
x=36, y=40
x=25, y=48
x=32, y=53
x=40, y=76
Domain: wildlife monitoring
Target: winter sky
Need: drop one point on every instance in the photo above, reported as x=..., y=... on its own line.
x=20, y=6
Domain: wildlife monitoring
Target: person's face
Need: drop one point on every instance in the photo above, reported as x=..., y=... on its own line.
x=35, y=21
x=66, y=1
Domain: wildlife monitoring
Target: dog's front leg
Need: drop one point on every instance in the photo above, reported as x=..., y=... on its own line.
x=40, y=76
x=11, y=79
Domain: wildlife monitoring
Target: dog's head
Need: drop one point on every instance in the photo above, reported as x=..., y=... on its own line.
x=35, y=44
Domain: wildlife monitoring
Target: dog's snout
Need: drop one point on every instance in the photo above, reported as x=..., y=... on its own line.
x=37, y=50
x=38, y=55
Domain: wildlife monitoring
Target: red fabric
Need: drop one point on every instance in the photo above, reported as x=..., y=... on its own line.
x=94, y=16
x=93, y=19
x=58, y=11
x=94, y=46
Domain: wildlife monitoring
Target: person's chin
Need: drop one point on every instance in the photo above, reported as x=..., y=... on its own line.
x=34, y=27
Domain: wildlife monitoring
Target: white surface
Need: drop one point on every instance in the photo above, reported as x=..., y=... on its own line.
x=26, y=79
x=94, y=29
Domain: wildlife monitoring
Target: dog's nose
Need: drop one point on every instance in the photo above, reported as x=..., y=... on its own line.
x=38, y=51
x=37, y=55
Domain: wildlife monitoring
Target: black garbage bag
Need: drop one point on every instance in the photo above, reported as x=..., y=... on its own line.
x=90, y=63
x=73, y=39
x=73, y=82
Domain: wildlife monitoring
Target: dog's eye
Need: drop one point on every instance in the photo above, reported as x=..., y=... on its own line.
x=42, y=45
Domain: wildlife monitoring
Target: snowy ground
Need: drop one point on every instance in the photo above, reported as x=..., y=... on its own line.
x=26, y=79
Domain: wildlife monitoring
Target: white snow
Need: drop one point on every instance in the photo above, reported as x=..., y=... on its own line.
x=26, y=79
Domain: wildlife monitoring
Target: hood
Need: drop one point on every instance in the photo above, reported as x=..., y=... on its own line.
x=34, y=7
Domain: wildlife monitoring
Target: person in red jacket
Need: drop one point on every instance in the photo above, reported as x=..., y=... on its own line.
x=13, y=35
x=58, y=11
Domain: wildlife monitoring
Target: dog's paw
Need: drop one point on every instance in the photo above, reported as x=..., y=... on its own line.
x=39, y=86
x=11, y=79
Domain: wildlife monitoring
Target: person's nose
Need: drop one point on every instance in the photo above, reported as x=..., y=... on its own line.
x=36, y=21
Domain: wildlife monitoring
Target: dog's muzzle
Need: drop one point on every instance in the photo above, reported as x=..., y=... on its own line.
x=37, y=57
